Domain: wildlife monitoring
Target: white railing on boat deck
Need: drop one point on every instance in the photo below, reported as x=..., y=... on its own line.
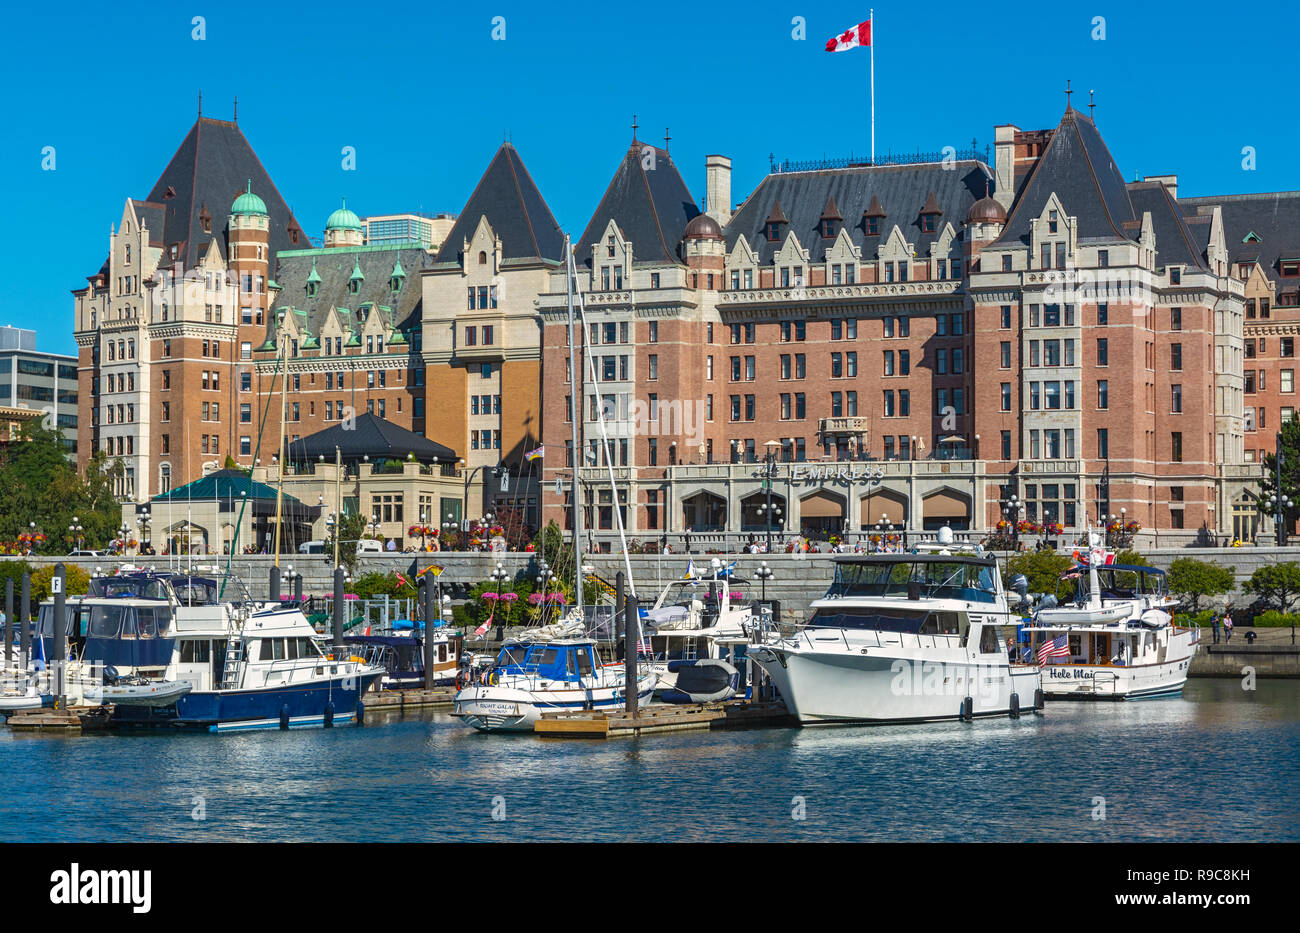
x=871, y=638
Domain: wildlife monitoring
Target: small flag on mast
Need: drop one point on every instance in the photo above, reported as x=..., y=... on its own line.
x=851, y=38
x=535, y=454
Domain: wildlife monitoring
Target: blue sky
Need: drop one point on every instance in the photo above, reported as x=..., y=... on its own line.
x=426, y=96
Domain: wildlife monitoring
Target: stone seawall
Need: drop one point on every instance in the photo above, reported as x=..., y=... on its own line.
x=797, y=580
x=1266, y=661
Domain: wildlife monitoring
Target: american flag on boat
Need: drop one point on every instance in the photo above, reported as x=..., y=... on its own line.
x=1058, y=647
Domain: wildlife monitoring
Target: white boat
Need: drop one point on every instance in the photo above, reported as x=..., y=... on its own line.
x=904, y=637
x=138, y=691
x=530, y=678
x=1115, y=637
x=696, y=619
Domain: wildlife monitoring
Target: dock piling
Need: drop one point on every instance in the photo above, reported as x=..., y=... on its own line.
x=57, y=584
x=275, y=584
x=25, y=630
x=632, y=633
x=430, y=610
x=9, y=621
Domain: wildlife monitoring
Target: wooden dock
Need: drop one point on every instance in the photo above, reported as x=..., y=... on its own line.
x=399, y=701
x=71, y=721
x=600, y=724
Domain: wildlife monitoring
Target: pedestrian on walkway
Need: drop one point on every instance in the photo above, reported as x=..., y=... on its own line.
x=1227, y=625
x=1214, y=627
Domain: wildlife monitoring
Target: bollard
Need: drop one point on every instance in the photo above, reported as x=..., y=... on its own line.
x=297, y=589
x=340, y=607
x=60, y=633
x=430, y=613
x=9, y=621
x=275, y=584
x=632, y=627
x=25, y=630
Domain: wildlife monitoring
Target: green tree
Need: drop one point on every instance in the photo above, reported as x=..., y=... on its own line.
x=77, y=582
x=1290, y=435
x=1132, y=558
x=1279, y=584
x=40, y=486
x=1041, y=568
x=1193, y=580
x=349, y=531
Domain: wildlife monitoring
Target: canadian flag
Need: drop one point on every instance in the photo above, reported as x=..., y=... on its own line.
x=851, y=38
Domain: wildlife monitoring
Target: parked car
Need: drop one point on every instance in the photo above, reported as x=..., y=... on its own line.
x=370, y=546
x=85, y=552
x=312, y=547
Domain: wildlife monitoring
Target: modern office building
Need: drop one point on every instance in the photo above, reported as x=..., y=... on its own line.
x=30, y=378
x=425, y=231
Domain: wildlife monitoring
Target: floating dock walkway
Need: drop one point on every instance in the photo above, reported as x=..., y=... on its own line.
x=601, y=724
x=68, y=721
x=399, y=701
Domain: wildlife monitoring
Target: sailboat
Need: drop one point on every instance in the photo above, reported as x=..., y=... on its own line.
x=531, y=676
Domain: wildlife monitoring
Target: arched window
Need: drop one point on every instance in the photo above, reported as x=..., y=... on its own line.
x=164, y=479
x=482, y=258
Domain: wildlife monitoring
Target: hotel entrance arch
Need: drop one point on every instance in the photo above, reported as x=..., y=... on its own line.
x=946, y=507
x=822, y=514
x=889, y=506
x=704, y=512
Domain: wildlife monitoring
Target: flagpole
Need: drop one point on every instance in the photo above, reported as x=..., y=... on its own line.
x=872, y=19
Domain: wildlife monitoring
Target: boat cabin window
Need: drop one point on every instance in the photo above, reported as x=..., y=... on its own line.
x=273, y=649
x=941, y=623
x=106, y=622
x=874, y=619
x=928, y=579
x=584, y=662
x=512, y=656
x=196, y=652
x=442, y=652
x=989, y=642
x=544, y=657
x=146, y=623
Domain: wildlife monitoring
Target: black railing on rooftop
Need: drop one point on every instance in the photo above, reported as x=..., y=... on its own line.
x=853, y=161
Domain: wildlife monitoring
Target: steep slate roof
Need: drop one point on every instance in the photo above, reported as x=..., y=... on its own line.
x=370, y=436
x=901, y=191
x=1177, y=242
x=650, y=206
x=1274, y=217
x=334, y=271
x=514, y=207
x=1077, y=166
x=210, y=169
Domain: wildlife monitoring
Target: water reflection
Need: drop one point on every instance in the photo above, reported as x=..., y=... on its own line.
x=1217, y=764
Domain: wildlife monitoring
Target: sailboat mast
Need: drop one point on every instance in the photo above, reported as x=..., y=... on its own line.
x=576, y=399
x=279, y=486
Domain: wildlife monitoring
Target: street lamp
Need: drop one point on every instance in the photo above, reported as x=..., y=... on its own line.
x=144, y=519
x=1279, y=507
x=498, y=578
x=76, y=529
x=769, y=471
x=1011, y=508
x=764, y=573
x=125, y=530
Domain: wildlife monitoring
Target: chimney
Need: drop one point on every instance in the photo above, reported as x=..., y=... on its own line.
x=1169, y=181
x=1004, y=162
x=717, y=172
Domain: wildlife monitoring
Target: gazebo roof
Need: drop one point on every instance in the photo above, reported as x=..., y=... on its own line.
x=222, y=485
x=369, y=436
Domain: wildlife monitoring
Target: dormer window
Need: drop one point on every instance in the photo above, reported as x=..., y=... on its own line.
x=1290, y=267
x=927, y=223
x=311, y=289
x=1175, y=276
x=205, y=219
x=609, y=246
x=772, y=232
x=873, y=226
x=830, y=218
x=772, y=225
x=1052, y=219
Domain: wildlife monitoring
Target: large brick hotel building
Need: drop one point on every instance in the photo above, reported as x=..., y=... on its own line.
x=915, y=343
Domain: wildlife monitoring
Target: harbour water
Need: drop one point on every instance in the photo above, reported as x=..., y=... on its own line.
x=1219, y=764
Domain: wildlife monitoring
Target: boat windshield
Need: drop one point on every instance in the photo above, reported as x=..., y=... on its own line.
x=929, y=579
x=1123, y=582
